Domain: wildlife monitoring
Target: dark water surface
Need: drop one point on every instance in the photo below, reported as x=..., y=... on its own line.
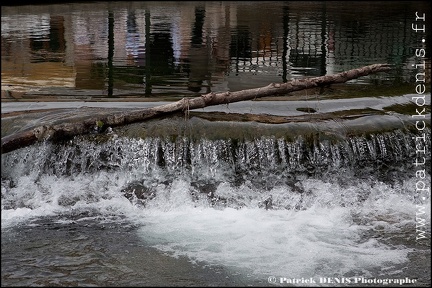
x=157, y=49
x=327, y=190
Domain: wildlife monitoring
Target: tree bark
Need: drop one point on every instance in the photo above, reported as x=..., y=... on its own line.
x=67, y=130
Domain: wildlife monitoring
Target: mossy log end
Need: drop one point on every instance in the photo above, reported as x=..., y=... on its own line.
x=69, y=129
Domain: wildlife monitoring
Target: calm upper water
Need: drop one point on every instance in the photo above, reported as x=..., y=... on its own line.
x=177, y=49
x=195, y=202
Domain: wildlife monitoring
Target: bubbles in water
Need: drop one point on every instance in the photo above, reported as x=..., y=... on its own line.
x=257, y=209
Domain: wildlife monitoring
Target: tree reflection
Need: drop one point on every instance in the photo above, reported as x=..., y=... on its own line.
x=147, y=84
x=110, y=53
x=198, y=54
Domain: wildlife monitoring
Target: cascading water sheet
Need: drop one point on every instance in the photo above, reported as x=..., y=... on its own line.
x=264, y=207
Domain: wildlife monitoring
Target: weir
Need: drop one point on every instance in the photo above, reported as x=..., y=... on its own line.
x=324, y=184
x=233, y=194
x=210, y=154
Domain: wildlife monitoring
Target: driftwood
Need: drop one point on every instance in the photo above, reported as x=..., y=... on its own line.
x=67, y=130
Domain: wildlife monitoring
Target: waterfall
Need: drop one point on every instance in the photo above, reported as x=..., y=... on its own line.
x=261, y=163
x=309, y=204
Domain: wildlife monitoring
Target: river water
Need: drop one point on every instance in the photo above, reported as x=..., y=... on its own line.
x=182, y=210
x=176, y=49
x=187, y=200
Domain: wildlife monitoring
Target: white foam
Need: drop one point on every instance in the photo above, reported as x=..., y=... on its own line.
x=321, y=234
x=50, y=195
x=314, y=242
x=323, y=240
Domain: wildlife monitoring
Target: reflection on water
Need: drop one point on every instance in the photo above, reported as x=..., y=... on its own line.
x=112, y=49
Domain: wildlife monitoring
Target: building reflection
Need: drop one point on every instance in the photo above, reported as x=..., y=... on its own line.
x=151, y=49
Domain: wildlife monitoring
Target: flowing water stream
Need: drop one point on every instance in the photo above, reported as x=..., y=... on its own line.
x=183, y=210
x=332, y=195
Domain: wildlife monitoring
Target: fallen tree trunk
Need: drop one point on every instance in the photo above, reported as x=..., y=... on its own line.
x=67, y=130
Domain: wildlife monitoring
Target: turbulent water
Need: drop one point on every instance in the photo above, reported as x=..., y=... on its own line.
x=183, y=211
x=316, y=201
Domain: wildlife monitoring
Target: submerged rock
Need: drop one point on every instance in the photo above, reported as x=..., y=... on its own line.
x=136, y=191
